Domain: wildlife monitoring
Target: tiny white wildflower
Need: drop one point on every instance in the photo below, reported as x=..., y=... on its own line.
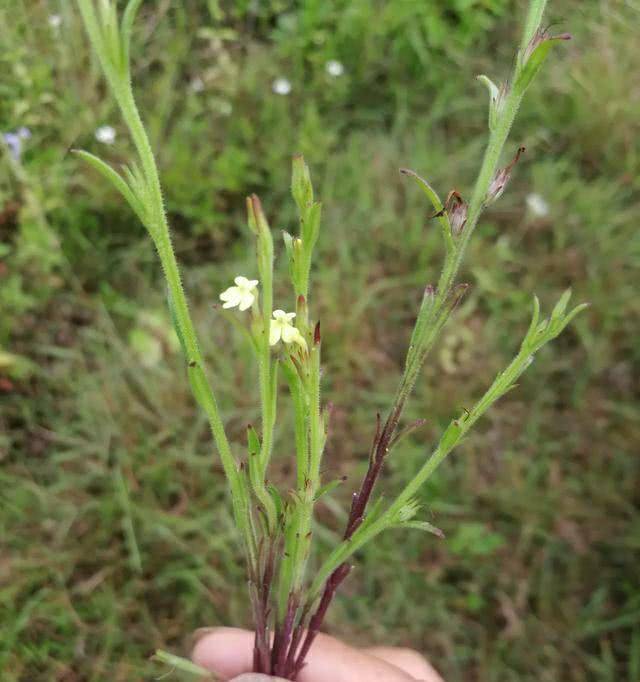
x=197, y=84
x=241, y=295
x=537, y=205
x=334, y=68
x=55, y=21
x=281, y=86
x=281, y=328
x=106, y=134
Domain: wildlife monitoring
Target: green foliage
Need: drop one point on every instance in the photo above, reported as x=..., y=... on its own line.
x=474, y=540
x=262, y=527
x=560, y=490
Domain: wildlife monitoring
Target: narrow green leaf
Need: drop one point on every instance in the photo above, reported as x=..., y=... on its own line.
x=111, y=33
x=569, y=317
x=432, y=195
x=561, y=305
x=277, y=499
x=534, y=318
x=425, y=526
x=128, y=19
x=491, y=86
x=311, y=227
x=536, y=60
x=183, y=665
x=288, y=244
x=437, y=204
x=327, y=488
x=253, y=441
x=199, y=385
x=301, y=187
x=494, y=96
x=450, y=437
x=115, y=179
x=532, y=22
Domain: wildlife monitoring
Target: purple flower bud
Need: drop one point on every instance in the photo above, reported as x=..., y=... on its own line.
x=456, y=209
x=501, y=178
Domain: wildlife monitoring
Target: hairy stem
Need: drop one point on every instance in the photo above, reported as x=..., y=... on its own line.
x=433, y=316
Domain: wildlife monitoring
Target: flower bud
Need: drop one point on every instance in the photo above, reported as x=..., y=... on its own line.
x=501, y=178
x=257, y=221
x=301, y=187
x=301, y=308
x=456, y=209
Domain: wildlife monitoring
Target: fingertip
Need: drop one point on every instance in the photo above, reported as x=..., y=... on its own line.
x=408, y=660
x=227, y=652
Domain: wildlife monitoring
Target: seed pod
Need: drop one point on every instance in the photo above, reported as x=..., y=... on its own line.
x=501, y=178
x=457, y=209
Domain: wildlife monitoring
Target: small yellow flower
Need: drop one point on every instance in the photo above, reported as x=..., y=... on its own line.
x=281, y=328
x=242, y=295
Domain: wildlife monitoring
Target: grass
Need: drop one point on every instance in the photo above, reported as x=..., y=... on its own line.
x=115, y=531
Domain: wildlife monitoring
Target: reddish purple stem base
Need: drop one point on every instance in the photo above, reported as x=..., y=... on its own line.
x=291, y=641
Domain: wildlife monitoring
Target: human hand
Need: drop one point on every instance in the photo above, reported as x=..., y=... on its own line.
x=228, y=653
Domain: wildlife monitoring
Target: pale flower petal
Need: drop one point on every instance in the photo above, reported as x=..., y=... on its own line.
x=289, y=333
x=281, y=328
x=298, y=338
x=242, y=295
x=246, y=301
x=231, y=296
x=275, y=331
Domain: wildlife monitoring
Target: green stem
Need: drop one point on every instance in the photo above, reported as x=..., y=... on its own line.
x=532, y=23
x=452, y=436
x=434, y=313
x=107, y=46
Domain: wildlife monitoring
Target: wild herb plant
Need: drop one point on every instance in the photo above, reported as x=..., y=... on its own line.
x=276, y=527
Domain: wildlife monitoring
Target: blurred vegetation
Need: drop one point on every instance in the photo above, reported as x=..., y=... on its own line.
x=115, y=536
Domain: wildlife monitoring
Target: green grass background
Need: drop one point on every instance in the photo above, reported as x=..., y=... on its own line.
x=115, y=533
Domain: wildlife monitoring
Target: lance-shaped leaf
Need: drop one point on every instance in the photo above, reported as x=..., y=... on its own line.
x=534, y=56
x=424, y=526
x=437, y=204
x=301, y=187
x=125, y=29
x=116, y=180
x=496, y=98
x=328, y=487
